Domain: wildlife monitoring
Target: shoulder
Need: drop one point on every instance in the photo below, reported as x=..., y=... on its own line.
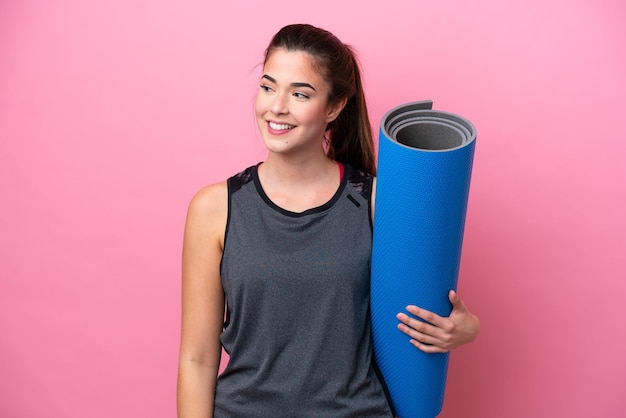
x=207, y=213
x=213, y=199
x=362, y=182
x=208, y=208
x=237, y=181
x=357, y=175
x=210, y=199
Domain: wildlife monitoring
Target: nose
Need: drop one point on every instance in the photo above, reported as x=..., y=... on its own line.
x=279, y=105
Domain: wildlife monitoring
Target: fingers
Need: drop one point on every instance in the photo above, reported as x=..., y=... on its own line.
x=415, y=324
x=422, y=339
x=427, y=316
x=456, y=301
x=427, y=348
x=432, y=333
x=424, y=332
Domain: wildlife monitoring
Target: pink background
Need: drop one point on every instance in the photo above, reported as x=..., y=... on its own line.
x=113, y=113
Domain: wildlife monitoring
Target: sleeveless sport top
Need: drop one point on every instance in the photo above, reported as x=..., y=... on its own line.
x=297, y=290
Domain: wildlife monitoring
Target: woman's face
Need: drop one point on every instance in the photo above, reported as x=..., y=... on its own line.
x=292, y=108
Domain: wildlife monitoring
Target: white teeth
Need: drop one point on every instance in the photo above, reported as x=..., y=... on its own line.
x=280, y=126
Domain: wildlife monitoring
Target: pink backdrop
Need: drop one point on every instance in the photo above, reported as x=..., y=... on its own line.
x=113, y=113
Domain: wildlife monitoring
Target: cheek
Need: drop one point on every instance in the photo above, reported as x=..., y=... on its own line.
x=313, y=117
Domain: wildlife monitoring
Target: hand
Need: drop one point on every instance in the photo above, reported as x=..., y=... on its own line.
x=440, y=334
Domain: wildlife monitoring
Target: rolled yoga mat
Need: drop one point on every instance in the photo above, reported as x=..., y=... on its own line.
x=424, y=168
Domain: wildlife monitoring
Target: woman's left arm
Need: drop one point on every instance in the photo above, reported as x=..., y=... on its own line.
x=437, y=334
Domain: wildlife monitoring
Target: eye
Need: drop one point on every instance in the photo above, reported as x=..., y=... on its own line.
x=299, y=95
x=265, y=88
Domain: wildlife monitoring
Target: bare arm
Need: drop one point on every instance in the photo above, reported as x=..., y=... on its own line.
x=202, y=302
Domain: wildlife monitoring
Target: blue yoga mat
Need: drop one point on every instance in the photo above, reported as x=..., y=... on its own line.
x=424, y=167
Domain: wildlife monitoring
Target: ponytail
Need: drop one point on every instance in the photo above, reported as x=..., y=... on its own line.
x=350, y=138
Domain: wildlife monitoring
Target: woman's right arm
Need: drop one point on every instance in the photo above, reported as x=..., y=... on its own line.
x=202, y=302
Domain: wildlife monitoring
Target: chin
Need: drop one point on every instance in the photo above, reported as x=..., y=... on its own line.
x=278, y=145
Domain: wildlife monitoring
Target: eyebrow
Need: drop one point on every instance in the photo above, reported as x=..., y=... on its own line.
x=292, y=84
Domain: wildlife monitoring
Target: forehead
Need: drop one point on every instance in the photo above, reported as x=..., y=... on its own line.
x=292, y=66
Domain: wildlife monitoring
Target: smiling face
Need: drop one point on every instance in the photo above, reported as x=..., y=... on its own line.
x=292, y=108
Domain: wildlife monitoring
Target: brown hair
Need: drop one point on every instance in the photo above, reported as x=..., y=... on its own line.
x=350, y=134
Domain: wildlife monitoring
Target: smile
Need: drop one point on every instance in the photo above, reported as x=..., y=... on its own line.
x=280, y=126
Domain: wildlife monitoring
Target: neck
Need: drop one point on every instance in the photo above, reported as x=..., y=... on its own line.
x=298, y=185
x=298, y=170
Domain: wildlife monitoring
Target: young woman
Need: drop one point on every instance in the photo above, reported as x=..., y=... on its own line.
x=284, y=247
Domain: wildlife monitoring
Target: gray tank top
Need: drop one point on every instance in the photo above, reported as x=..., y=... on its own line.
x=297, y=290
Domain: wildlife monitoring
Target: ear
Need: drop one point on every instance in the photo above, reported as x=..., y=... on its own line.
x=334, y=109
